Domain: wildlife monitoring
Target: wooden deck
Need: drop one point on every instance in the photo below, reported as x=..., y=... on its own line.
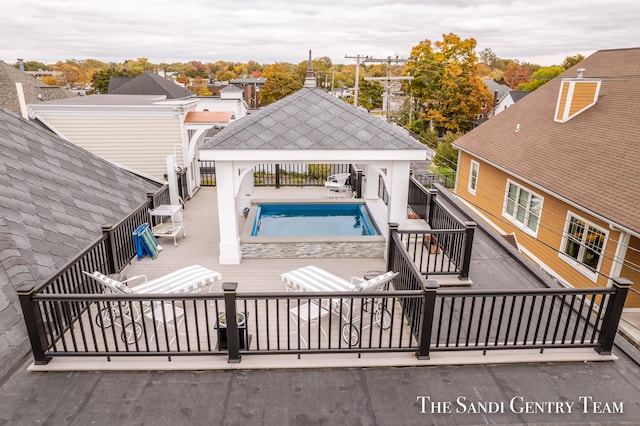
x=201, y=246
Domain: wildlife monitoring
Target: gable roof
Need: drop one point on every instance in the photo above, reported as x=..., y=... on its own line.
x=54, y=199
x=494, y=87
x=115, y=81
x=150, y=83
x=516, y=95
x=591, y=160
x=34, y=90
x=311, y=119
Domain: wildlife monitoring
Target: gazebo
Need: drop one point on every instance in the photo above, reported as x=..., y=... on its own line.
x=307, y=127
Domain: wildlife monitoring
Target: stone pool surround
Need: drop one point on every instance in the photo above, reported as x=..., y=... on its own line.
x=260, y=247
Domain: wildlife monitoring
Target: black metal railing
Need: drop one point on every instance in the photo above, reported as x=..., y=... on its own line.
x=446, y=247
x=278, y=323
x=183, y=188
x=291, y=174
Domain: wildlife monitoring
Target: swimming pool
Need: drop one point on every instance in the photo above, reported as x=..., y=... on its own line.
x=307, y=220
x=277, y=229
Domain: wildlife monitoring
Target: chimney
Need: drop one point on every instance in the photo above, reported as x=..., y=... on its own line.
x=21, y=64
x=580, y=72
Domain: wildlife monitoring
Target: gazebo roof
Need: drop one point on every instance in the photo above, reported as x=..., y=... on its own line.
x=311, y=119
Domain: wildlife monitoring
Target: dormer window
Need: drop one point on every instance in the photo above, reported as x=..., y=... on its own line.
x=576, y=95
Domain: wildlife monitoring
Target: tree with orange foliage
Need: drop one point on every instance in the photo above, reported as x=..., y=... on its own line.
x=516, y=74
x=449, y=91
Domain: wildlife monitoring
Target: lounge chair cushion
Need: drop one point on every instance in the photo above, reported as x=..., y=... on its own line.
x=183, y=280
x=114, y=285
x=313, y=278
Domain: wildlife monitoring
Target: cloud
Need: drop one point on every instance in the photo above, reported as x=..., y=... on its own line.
x=543, y=32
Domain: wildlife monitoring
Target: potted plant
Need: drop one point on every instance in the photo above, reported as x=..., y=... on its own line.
x=222, y=319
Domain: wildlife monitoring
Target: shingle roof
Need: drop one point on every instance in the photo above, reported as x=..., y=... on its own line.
x=592, y=159
x=494, y=86
x=54, y=199
x=516, y=95
x=34, y=90
x=150, y=83
x=312, y=119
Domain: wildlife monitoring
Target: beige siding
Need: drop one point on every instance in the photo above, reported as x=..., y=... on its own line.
x=631, y=270
x=564, y=90
x=138, y=142
x=489, y=200
x=583, y=95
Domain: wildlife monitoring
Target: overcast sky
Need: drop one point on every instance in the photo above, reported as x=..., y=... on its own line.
x=268, y=31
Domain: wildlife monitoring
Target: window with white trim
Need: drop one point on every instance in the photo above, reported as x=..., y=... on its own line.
x=583, y=242
x=473, y=176
x=523, y=207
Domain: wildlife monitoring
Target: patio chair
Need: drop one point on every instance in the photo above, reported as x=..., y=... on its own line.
x=185, y=280
x=338, y=183
x=313, y=278
x=308, y=313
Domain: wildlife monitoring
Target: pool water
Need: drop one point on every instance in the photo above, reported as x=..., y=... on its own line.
x=277, y=220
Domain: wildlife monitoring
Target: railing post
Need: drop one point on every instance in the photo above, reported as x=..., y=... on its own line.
x=233, y=336
x=469, y=229
x=393, y=228
x=428, y=308
x=35, y=327
x=431, y=202
x=359, y=185
x=612, y=315
x=113, y=251
x=277, y=176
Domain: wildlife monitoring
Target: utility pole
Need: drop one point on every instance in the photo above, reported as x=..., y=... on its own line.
x=388, y=78
x=357, y=58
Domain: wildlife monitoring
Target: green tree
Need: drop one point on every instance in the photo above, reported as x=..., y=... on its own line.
x=449, y=92
x=540, y=77
x=446, y=155
x=101, y=78
x=370, y=94
x=279, y=83
x=570, y=61
x=32, y=66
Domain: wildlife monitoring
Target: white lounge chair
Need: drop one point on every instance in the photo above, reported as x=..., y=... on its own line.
x=338, y=183
x=185, y=280
x=313, y=278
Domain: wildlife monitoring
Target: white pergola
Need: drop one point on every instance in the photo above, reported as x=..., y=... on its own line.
x=308, y=127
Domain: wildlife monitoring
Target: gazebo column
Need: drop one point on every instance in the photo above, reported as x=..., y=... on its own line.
x=399, y=191
x=371, y=183
x=227, y=214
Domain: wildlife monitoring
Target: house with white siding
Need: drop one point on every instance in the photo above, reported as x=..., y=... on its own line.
x=137, y=132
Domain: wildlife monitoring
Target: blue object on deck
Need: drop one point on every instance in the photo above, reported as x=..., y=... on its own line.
x=145, y=242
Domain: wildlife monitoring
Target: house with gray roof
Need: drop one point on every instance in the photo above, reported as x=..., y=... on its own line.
x=34, y=90
x=507, y=100
x=55, y=197
x=148, y=83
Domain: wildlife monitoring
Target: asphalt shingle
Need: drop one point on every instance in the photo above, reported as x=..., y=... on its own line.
x=593, y=158
x=312, y=119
